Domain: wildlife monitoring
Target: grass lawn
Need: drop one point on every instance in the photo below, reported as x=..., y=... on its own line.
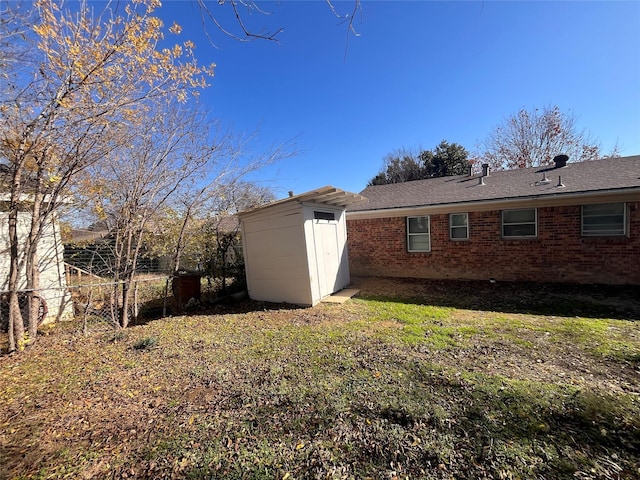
x=412, y=383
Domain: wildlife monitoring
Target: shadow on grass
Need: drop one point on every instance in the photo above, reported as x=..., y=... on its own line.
x=566, y=300
x=218, y=306
x=592, y=301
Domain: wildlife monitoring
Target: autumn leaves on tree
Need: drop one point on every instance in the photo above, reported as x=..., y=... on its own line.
x=86, y=84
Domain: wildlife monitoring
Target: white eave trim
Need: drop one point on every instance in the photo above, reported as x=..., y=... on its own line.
x=27, y=198
x=329, y=196
x=581, y=198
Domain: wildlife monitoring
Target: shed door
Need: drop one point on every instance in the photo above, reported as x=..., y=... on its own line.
x=327, y=254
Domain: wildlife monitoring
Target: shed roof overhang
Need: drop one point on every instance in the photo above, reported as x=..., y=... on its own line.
x=580, y=198
x=330, y=196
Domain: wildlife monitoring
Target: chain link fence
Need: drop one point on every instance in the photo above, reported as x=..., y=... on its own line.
x=94, y=302
x=97, y=301
x=93, y=298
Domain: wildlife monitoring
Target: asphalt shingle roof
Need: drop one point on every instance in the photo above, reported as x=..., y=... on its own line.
x=605, y=175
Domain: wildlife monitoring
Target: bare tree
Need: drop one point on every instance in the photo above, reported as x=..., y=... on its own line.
x=170, y=170
x=14, y=21
x=90, y=78
x=130, y=186
x=235, y=25
x=219, y=241
x=533, y=138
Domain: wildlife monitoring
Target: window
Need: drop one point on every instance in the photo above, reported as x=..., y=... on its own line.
x=604, y=219
x=324, y=215
x=418, y=239
x=519, y=223
x=459, y=226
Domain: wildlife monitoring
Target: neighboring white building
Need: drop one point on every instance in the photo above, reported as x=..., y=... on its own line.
x=53, y=285
x=295, y=249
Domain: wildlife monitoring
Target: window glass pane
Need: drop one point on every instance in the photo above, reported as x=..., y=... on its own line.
x=603, y=219
x=419, y=243
x=528, y=230
x=606, y=230
x=459, y=232
x=595, y=222
x=519, y=216
x=604, y=209
x=458, y=219
x=458, y=225
x=418, y=225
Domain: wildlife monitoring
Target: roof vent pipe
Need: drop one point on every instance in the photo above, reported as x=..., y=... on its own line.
x=290, y=193
x=480, y=180
x=485, y=169
x=560, y=184
x=561, y=160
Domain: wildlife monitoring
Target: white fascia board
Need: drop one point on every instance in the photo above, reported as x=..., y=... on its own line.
x=27, y=197
x=326, y=206
x=325, y=195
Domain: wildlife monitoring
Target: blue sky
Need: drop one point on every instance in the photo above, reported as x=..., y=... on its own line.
x=419, y=72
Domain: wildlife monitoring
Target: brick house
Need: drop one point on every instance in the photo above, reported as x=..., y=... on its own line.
x=568, y=222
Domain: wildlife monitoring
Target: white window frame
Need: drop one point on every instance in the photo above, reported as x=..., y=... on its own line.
x=465, y=226
x=534, y=223
x=603, y=232
x=412, y=234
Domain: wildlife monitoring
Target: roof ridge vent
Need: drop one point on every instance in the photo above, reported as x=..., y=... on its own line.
x=561, y=160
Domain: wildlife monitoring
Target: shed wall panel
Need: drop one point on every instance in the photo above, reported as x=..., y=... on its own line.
x=285, y=256
x=275, y=257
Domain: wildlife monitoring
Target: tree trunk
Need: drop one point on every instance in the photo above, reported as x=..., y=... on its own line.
x=129, y=267
x=33, y=298
x=85, y=327
x=113, y=296
x=115, y=304
x=135, y=301
x=124, y=313
x=134, y=243
x=16, y=323
x=166, y=295
x=32, y=268
x=32, y=273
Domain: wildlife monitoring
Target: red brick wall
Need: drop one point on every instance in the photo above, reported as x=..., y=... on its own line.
x=378, y=247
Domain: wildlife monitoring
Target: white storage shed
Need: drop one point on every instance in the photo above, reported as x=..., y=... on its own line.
x=295, y=250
